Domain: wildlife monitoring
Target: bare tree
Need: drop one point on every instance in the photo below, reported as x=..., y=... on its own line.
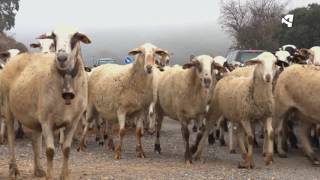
x=252, y=23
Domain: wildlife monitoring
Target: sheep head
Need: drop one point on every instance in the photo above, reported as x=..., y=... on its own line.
x=45, y=45
x=204, y=66
x=266, y=66
x=67, y=45
x=146, y=56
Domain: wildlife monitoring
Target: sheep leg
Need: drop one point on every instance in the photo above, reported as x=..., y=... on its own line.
x=185, y=135
x=241, y=136
x=253, y=126
x=159, y=119
x=248, y=163
x=231, y=134
x=19, y=132
x=61, y=136
x=109, y=134
x=303, y=131
x=221, y=132
x=49, y=139
x=280, y=139
x=139, y=126
x=268, y=141
x=36, y=145
x=91, y=114
x=99, y=133
x=13, y=168
x=122, y=121
x=82, y=144
x=69, y=130
x=2, y=130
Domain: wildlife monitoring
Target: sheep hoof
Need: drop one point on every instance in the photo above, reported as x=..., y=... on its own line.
x=316, y=162
x=101, y=143
x=245, y=165
x=97, y=138
x=1, y=140
x=268, y=159
x=222, y=142
x=188, y=163
x=111, y=145
x=117, y=156
x=211, y=139
x=39, y=172
x=282, y=155
x=13, y=171
x=19, y=133
x=157, y=148
x=140, y=152
x=232, y=151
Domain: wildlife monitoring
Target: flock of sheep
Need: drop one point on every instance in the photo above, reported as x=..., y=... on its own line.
x=53, y=90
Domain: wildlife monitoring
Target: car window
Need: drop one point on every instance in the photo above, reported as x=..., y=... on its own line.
x=231, y=56
x=245, y=56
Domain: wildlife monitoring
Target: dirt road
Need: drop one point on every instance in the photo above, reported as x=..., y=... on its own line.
x=98, y=163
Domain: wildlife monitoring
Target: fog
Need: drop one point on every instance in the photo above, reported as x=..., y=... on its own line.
x=115, y=27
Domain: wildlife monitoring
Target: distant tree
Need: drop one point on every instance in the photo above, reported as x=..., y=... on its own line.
x=305, y=31
x=252, y=24
x=8, y=10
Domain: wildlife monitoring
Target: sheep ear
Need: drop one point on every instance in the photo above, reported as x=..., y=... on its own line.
x=48, y=35
x=252, y=62
x=161, y=52
x=218, y=67
x=282, y=63
x=188, y=65
x=191, y=57
x=82, y=37
x=87, y=69
x=4, y=55
x=35, y=45
x=134, y=52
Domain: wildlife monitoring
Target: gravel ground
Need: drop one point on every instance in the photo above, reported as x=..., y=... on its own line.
x=98, y=163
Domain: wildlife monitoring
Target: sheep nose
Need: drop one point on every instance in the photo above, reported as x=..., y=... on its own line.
x=149, y=68
x=62, y=57
x=207, y=82
x=268, y=78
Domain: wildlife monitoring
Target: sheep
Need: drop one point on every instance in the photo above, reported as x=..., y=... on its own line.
x=288, y=99
x=4, y=58
x=46, y=92
x=314, y=55
x=251, y=98
x=45, y=45
x=183, y=94
x=120, y=91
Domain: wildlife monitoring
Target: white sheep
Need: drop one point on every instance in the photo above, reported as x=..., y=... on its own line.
x=4, y=58
x=120, y=91
x=183, y=94
x=243, y=100
x=290, y=97
x=46, y=92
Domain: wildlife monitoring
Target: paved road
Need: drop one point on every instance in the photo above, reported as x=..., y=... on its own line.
x=98, y=163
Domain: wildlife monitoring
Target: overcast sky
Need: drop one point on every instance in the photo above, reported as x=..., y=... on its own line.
x=147, y=20
x=45, y=14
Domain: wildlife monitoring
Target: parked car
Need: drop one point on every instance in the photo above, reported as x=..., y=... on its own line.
x=104, y=61
x=239, y=57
